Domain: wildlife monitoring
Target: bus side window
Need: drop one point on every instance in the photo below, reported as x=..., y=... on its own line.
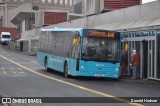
x=43, y=41
x=47, y=41
x=68, y=45
x=53, y=47
x=50, y=45
x=40, y=40
x=59, y=41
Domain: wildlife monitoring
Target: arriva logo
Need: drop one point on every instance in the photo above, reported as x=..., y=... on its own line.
x=99, y=65
x=55, y=60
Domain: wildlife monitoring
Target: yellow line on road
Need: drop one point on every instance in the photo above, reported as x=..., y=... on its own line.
x=72, y=84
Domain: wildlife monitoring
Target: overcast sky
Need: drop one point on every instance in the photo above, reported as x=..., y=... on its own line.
x=145, y=1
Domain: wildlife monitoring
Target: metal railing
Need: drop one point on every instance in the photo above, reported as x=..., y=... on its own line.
x=14, y=45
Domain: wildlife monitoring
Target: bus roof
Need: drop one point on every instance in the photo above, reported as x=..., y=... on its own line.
x=72, y=29
x=61, y=29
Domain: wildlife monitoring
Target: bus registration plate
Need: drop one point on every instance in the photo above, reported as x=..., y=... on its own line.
x=99, y=75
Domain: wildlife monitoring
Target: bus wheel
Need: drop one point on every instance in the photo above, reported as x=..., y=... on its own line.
x=66, y=70
x=46, y=64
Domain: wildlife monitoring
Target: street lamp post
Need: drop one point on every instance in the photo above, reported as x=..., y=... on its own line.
x=1, y=21
x=5, y=18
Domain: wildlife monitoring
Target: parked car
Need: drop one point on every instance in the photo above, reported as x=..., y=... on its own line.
x=5, y=37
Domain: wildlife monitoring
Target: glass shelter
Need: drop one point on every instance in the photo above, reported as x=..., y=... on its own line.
x=147, y=44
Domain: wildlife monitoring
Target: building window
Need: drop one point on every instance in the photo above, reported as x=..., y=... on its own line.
x=66, y=2
x=71, y=2
x=36, y=1
x=14, y=0
x=49, y=1
x=6, y=0
x=43, y=1
x=61, y=2
x=22, y=0
x=55, y=1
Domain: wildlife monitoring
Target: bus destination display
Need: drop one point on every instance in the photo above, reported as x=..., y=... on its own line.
x=108, y=34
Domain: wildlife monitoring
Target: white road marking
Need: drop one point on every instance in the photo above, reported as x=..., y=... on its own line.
x=2, y=68
x=19, y=68
x=18, y=75
x=11, y=68
x=21, y=72
x=4, y=72
x=14, y=72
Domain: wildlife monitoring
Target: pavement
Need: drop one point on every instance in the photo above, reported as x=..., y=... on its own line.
x=141, y=81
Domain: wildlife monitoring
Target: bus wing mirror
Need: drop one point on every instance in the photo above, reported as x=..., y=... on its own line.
x=68, y=54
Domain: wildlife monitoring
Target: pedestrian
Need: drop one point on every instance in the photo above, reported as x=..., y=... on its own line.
x=135, y=63
x=124, y=62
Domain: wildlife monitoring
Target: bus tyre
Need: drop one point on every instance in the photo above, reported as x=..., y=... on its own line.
x=66, y=70
x=46, y=64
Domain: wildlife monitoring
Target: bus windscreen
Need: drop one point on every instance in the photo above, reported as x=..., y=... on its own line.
x=98, y=48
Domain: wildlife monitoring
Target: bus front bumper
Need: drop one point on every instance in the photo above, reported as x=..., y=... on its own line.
x=96, y=74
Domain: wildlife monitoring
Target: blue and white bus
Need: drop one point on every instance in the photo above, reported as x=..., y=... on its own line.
x=80, y=52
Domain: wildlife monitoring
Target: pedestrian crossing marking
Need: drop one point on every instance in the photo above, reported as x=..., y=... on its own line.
x=12, y=71
x=19, y=68
x=11, y=68
x=21, y=73
x=2, y=68
x=4, y=72
x=18, y=75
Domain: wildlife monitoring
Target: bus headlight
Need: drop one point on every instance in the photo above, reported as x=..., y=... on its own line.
x=82, y=67
x=116, y=69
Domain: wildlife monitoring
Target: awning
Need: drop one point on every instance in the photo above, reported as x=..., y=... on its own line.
x=73, y=16
x=28, y=38
x=22, y=16
x=131, y=24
